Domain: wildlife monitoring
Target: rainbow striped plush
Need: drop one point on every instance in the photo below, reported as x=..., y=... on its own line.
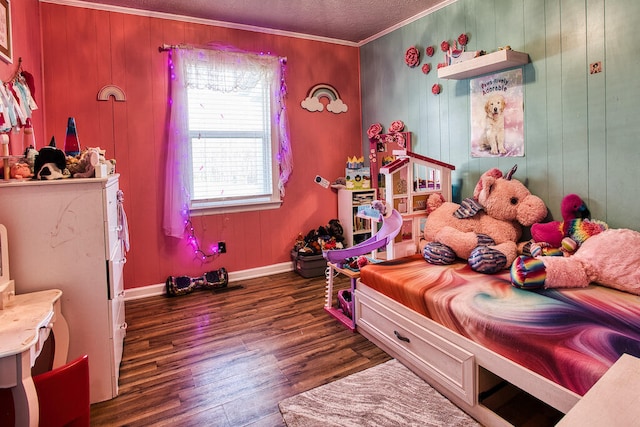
x=528, y=273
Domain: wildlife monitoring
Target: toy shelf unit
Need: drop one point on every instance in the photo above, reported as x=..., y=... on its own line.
x=484, y=64
x=356, y=228
x=409, y=181
x=384, y=149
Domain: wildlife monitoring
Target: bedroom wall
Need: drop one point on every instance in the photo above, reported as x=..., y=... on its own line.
x=25, y=18
x=581, y=130
x=85, y=49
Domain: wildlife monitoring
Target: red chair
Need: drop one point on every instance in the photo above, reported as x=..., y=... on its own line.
x=63, y=395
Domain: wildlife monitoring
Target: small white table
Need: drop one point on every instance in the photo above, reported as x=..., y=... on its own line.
x=25, y=323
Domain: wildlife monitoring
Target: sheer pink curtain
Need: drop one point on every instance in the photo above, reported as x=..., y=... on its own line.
x=177, y=179
x=222, y=70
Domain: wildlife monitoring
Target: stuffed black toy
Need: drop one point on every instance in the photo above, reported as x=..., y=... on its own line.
x=50, y=163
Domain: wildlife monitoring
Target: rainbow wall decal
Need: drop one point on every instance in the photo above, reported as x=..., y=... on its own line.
x=312, y=101
x=111, y=90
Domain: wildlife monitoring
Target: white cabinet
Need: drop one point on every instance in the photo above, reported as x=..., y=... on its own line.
x=65, y=234
x=355, y=229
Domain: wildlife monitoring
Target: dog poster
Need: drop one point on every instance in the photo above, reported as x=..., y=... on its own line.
x=497, y=115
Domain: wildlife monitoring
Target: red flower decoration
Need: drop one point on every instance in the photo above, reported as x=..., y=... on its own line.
x=441, y=65
x=430, y=51
x=426, y=68
x=444, y=46
x=374, y=130
x=463, y=39
x=412, y=57
x=435, y=89
x=396, y=126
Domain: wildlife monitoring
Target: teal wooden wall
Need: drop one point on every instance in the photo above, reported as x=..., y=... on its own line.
x=582, y=130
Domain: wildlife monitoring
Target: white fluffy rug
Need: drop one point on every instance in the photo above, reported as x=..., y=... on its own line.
x=388, y=394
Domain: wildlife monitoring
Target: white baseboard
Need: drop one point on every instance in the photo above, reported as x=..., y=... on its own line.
x=234, y=276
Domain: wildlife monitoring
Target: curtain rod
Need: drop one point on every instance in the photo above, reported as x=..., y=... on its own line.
x=167, y=47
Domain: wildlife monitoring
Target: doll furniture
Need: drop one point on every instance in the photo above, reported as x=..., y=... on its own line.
x=476, y=338
x=409, y=180
x=69, y=234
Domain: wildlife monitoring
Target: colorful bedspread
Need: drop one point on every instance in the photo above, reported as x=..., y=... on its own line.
x=570, y=336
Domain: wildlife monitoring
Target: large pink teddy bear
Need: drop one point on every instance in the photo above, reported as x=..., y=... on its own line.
x=483, y=230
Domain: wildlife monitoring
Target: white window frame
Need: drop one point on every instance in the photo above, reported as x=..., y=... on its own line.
x=253, y=202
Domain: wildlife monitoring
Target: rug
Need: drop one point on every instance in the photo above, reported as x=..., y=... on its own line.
x=386, y=395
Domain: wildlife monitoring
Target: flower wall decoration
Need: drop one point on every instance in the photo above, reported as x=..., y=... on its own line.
x=436, y=89
x=396, y=126
x=444, y=46
x=412, y=57
x=463, y=39
x=430, y=51
x=374, y=130
x=426, y=68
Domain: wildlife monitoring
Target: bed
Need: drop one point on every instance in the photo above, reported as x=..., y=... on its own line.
x=467, y=333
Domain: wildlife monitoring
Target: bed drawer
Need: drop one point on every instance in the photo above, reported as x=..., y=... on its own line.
x=444, y=362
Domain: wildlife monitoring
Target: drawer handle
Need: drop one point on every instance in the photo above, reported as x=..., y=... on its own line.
x=124, y=326
x=400, y=337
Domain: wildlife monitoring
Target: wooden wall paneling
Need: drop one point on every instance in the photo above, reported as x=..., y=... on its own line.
x=623, y=104
x=554, y=86
x=82, y=89
x=58, y=63
x=104, y=76
x=596, y=114
x=535, y=116
x=574, y=99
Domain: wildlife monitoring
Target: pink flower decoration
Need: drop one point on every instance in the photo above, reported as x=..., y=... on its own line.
x=396, y=126
x=441, y=65
x=374, y=130
x=430, y=51
x=435, y=89
x=426, y=68
x=444, y=46
x=412, y=57
x=463, y=39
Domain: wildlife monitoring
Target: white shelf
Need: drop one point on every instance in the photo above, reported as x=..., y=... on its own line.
x=484, y=64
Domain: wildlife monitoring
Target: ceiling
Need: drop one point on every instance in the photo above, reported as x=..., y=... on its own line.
x=352, y=21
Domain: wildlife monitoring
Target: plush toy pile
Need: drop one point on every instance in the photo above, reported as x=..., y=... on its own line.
x=577, y=252
x=484, y=229
x=321, y=239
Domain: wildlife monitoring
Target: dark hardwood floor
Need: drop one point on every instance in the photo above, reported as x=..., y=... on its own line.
x=228, y=358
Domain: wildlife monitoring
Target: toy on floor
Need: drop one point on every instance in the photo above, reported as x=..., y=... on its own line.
x=610, y=258
x=482, y=230
x=182, y=285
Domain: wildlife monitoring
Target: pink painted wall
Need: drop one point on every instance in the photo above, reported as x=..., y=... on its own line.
x=25, y=19
x=84, y=49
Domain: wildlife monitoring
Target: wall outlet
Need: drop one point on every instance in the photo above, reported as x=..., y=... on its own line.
x=222, y=247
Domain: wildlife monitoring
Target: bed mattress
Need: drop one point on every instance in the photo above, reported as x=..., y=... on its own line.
x=570, y=336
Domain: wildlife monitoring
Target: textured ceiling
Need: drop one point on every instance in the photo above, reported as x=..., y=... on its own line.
x=346, y=20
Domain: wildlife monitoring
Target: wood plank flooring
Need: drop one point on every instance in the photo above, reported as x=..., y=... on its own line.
x=227, y=359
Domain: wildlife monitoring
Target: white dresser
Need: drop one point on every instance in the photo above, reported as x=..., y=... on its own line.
x=65, y=234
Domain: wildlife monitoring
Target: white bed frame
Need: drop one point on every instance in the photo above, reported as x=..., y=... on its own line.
x=457, y=367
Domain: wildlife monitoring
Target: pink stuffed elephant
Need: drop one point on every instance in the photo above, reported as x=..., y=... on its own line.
x=483, y=230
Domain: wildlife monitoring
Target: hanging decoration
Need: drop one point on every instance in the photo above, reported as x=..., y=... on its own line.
x=312, y=101
x=109, y=91
x=412, y=57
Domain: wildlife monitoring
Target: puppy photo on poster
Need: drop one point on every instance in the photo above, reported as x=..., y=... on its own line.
x=497, y=115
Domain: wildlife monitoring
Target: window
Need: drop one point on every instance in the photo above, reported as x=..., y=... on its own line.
x=233, y=163
x=232, y=157
x=228, y=147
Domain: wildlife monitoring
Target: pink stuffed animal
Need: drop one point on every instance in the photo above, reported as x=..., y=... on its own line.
x=553, y=232
x=600, y=259
x=483, y=230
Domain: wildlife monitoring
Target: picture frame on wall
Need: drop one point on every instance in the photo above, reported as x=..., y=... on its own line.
x=6, y=48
